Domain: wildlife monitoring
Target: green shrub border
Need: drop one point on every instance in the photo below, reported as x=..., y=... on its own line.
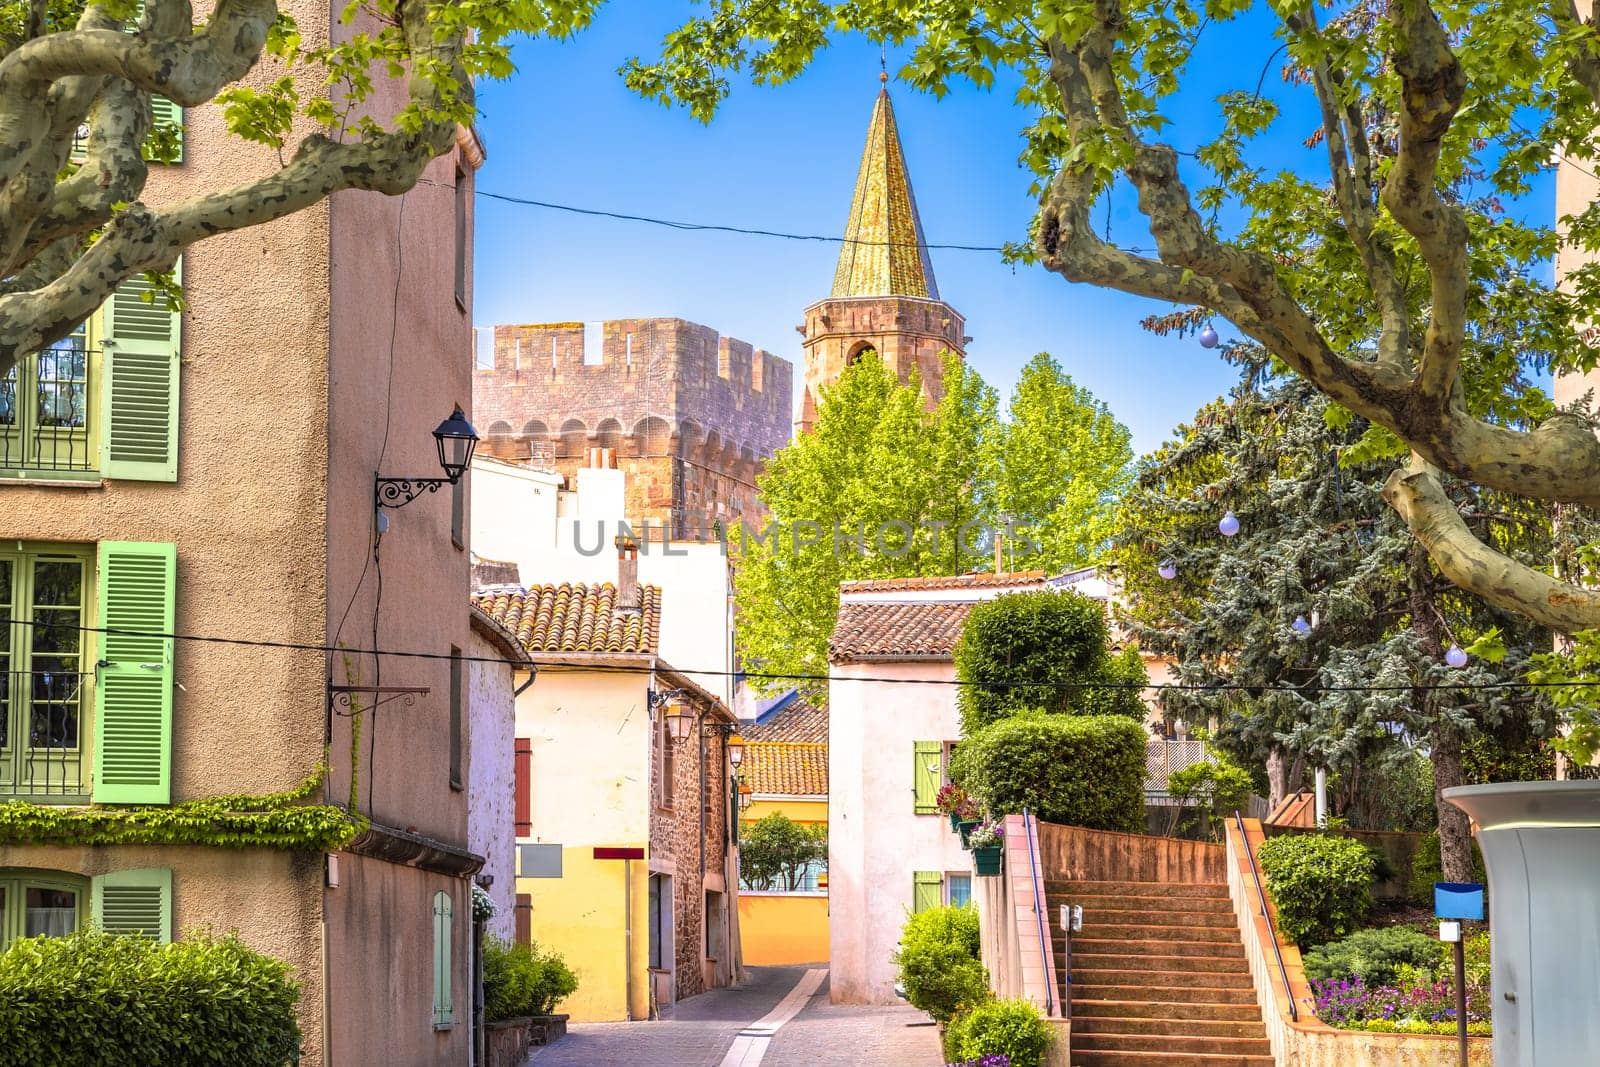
x=273, y=820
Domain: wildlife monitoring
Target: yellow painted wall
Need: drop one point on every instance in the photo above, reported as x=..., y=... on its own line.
x=804, y=811
x=783, y=928
x=581, y=916
x=590, y=785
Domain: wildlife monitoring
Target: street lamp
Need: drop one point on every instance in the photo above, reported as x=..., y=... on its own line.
x=680, y=715
x=456, y=440
x=746, y=795
x=735, y=750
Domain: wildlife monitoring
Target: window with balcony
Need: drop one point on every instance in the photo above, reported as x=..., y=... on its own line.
x=47, y=671
x=86, y=716
x=101, y=403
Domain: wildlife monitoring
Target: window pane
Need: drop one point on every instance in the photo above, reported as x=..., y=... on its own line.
x=62, y=384
x=52, y=912
x=58, y=583
x=960, y=889
x=8, y=398
x=7, y=568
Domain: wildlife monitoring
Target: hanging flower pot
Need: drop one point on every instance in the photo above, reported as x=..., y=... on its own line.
x=986, y=860
x=964, y=828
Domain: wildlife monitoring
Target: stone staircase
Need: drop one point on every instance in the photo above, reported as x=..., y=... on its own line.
x=1159, y=977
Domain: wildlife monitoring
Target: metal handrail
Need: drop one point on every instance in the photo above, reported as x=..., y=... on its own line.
x=1261, y=895
x=1038, y=915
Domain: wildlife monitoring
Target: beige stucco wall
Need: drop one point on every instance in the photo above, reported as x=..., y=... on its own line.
x=875, y=839
x=1576, y=189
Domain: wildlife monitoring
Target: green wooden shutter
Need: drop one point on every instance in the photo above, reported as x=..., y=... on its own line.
x=139, y=385
x=443, y=920
x=133, y=689
x=164, y=113
x=925, y=776
x=135, y=902
x=927, y=890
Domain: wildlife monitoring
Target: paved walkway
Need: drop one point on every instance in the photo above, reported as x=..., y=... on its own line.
x=772, y=1020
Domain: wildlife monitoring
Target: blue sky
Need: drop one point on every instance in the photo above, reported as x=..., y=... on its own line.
x=564, y=129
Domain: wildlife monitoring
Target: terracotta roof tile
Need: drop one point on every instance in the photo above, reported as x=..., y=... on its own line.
x=942, y=581
x=870, y=631
x=800, y=721
x=575, y=617
x=786, y=768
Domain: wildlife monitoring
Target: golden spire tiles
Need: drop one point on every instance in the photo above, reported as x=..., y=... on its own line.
x=884, y=252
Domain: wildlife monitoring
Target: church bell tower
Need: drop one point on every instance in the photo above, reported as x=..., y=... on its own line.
x=884, y=296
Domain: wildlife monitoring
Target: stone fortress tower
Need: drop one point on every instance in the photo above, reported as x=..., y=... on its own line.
x=884, y=295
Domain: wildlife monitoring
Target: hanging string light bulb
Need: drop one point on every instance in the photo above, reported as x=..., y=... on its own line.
x=1455, y=656
x=1208, y=337
x=1167, y=570
x=1229, y=525
x=1300, y=626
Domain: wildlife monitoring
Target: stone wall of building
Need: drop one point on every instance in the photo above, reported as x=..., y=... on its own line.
x=691, y=416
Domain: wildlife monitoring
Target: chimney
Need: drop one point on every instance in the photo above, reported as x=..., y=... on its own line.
x=628, y=598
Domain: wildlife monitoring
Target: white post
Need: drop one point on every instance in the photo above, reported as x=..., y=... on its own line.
x=1322, y=797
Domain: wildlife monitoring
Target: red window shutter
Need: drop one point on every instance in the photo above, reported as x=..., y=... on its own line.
x=524, y=775
x=524, y=910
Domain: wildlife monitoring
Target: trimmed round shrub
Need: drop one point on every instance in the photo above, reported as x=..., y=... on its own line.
x=519, y=980
x=1077, y=770
x=1043, y=650
x=941, y=970
x=1322, y=884
x=1375, y=955
x=1010, y=1028
x=92, y=999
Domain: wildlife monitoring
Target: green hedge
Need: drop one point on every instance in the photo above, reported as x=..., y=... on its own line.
x=1048, y=650
x=1077, y=770
x=1322, y=884
x=940, y=969
x=520, y=980
x=1010, y=1028
x=1374, y=955
x=106, y=1000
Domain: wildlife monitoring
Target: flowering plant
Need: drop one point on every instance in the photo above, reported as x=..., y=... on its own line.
x=1350, y=1004
x=483, y=908
x=994, y=1059
x=986, y=833
x=954, y=800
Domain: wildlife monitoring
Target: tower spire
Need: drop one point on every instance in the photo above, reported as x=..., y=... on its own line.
x=884, y=252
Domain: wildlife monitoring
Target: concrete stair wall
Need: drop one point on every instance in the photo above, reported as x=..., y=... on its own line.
x=1158, y=977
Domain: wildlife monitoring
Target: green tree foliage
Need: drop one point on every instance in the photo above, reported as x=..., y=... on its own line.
x=1043, y=649
x=1065, y=461
x=1322, y=884
x=884, y=489
x=1217, y=786
x=775, y=851
x=1012, y=1028
x=1386, y=260
x=92, y=999
x=940, y=962
x=519, y=980
x=1318, y=544
x=1077, y=770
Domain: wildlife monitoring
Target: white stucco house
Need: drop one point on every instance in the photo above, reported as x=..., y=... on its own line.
x=889, y=744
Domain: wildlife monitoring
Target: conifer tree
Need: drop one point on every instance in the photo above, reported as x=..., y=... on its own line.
x=1321, y=596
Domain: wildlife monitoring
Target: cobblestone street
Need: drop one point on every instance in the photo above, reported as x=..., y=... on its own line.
x=772, y=1020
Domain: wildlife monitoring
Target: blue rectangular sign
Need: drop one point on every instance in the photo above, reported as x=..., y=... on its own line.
x=1458, y=900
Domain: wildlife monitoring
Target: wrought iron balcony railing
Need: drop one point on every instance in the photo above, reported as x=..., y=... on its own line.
x=47, y=412
x=42, y=724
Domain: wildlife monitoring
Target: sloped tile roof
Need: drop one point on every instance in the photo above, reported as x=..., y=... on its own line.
x=786, y=768
x=798, y=721
x=942, y=581
x=575, y=617
x=926, y=630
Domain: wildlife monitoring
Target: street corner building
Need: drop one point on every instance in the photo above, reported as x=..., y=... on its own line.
x=890, y=852
x=624, y=800
x=211, y=473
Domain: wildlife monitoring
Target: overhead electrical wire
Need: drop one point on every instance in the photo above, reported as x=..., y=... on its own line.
x=625, y=668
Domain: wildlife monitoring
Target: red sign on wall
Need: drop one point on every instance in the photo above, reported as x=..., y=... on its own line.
x=618, y=853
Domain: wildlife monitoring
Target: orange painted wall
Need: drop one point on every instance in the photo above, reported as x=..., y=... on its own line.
x=782, y=928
